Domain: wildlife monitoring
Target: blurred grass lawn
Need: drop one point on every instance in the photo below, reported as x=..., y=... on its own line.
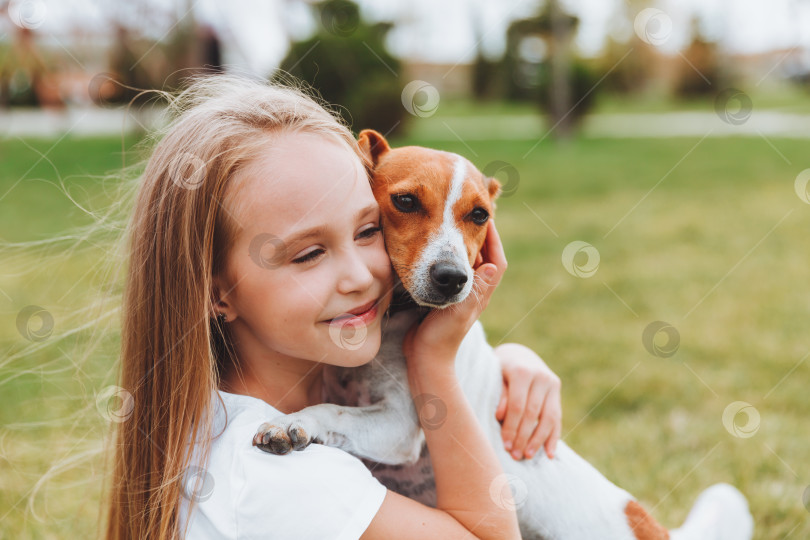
x=718, y=250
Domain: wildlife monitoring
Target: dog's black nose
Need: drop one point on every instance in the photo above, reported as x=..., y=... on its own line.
x=448, y=278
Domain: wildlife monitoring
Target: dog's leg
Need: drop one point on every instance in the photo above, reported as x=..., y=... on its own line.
x=380, y=432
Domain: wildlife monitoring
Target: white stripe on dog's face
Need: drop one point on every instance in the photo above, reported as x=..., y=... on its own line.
x=447, y=244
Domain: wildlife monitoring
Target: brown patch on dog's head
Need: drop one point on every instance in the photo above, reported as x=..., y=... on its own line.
x=412, y=185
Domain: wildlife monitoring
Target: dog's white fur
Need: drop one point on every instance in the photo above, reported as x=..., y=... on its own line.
x=446, y=244
x=563, y=498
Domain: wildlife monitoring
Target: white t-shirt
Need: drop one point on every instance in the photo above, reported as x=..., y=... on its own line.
x=246, y=493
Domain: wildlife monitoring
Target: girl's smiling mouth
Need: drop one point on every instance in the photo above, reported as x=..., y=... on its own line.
x=363, y=314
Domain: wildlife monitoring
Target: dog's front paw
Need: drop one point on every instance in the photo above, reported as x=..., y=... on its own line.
x=283, y=434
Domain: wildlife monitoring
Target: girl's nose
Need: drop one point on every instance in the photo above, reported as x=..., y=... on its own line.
x=354, y=274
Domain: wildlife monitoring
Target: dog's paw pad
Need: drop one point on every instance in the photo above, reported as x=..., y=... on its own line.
x=278, y=438
x=272, y=439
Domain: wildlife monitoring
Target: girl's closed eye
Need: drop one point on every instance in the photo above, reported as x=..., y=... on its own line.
x=311, y=256
x=370, y=232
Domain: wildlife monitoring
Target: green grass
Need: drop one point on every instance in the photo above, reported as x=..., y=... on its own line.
x=718, y=250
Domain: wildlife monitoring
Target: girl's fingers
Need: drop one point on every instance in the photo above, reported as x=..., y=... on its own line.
x=541, y=436
x=551, y=442
x=515, y=407
x=501, y=410
x=528, y=424
x=554, y=410
x=492, y=250
x=548, y=431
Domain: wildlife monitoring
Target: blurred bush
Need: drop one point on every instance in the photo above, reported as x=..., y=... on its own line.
x=347, y=62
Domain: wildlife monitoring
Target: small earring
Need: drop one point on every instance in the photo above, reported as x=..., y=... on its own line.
x=222, y=318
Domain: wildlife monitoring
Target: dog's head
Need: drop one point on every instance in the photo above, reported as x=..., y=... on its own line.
x=435, y=206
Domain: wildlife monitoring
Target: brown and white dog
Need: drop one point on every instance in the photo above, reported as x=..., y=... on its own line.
x=435, y=206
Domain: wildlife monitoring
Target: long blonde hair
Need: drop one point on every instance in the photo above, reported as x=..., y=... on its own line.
x=173, y=351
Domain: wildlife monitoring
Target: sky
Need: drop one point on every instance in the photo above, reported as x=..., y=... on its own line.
x=257, y=32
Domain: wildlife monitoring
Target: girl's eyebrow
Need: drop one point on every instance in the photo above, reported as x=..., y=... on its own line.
x=322, y=229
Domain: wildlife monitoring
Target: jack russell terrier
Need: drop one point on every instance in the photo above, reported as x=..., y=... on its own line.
x=435, y=206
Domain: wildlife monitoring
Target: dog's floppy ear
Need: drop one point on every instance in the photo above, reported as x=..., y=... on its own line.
x=373, y=145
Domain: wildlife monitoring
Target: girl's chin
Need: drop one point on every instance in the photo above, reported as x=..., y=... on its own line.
x=354, y=353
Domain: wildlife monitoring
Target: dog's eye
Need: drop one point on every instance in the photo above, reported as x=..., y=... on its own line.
x=479, y=216
x=405, y=202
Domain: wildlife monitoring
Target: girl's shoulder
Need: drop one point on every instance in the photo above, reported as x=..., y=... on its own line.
x=320, y=491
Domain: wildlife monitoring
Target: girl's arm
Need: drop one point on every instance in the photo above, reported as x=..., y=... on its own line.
x=465, y=466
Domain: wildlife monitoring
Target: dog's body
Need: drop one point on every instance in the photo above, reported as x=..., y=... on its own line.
x=433, y=243
x=550, y=495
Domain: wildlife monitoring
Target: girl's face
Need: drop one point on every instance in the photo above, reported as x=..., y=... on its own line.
x=309, y=252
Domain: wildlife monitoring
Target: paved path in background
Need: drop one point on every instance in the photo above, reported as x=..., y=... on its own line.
x=95, y=121
x=76, y=121
x=674, y=124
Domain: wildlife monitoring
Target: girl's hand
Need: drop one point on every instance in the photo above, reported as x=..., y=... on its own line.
x=530, y=410
x=439, y=335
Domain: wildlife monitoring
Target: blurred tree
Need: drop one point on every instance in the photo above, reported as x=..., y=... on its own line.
x=347, y=62
x=542, y=68
x=700, y=73
x=138, y=64
x=26, y=71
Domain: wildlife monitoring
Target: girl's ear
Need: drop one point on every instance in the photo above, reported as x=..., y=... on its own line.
x=372, y=145
x=218, y=303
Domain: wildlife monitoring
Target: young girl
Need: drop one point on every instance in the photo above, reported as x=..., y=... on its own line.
x=253, y=228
